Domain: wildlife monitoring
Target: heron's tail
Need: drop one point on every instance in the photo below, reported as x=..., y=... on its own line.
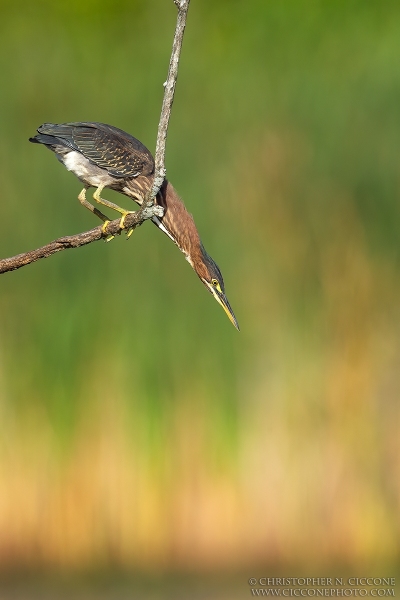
x=47, y=140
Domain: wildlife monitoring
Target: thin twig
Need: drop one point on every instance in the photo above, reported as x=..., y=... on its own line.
x=169, y=91
x=148, y=209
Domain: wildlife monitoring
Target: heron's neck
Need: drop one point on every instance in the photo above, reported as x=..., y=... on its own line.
x=179, y=223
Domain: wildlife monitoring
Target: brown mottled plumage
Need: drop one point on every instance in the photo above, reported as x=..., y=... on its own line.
x=103, y=156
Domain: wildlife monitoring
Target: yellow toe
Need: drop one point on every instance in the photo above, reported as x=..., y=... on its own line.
x=122, y=221
x=103, y=228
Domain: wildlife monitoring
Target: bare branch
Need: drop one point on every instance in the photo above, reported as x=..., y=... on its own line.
x=132, y=220
x=169, y=91
x=148, y=209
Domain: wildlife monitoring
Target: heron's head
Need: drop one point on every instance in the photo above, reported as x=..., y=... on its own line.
x=209, y=273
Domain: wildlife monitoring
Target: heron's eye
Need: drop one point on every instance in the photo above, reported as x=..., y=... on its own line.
x=215, y=282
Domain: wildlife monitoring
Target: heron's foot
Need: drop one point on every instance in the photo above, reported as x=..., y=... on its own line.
x=122, y=221
x=103, y=228
x=129, y=232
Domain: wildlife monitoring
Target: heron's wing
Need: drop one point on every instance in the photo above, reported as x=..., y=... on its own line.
x=105, y=146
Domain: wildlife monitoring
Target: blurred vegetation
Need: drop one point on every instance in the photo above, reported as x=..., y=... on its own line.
x=138, y=429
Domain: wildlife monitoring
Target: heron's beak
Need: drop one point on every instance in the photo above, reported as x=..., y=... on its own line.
x=223, y=300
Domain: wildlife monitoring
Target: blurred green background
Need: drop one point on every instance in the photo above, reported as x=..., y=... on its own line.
x=139, y=431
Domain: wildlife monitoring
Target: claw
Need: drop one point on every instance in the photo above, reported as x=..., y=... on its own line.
x=122, y=221
x=103, y=228
x=129, y=232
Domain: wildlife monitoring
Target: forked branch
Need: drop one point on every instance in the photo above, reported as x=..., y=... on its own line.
x=148, y=208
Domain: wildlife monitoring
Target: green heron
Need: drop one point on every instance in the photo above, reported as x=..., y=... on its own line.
x=102, y=156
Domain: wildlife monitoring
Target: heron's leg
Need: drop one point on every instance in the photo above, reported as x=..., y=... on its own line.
x=123, y=212
x=94, y=210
